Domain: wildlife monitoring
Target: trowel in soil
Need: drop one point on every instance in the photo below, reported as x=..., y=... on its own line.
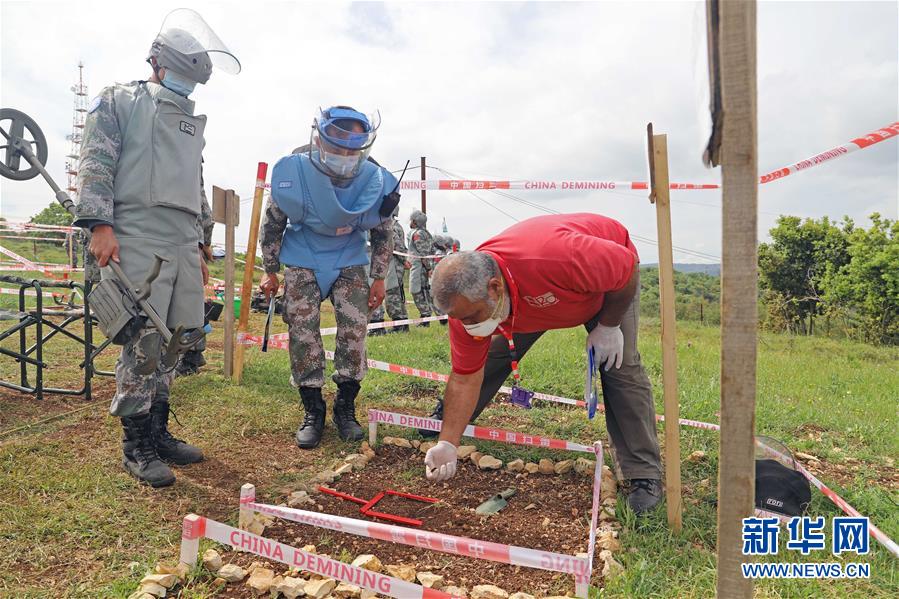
x=495, y=503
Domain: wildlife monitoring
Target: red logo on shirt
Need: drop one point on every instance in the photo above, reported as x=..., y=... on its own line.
x=542, y=301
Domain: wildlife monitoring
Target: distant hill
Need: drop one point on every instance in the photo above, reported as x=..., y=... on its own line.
x=709, y=269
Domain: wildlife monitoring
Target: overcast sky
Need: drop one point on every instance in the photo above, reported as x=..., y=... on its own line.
x=505, y=90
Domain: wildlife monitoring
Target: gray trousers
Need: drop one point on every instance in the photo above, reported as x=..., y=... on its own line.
x=627, y=395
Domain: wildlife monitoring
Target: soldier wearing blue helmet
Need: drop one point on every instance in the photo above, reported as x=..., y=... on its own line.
x=327, y=198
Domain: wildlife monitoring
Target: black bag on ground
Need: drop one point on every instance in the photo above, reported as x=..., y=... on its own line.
x=779, y=487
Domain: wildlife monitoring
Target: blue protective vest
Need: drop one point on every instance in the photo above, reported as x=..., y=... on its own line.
x=327, y=224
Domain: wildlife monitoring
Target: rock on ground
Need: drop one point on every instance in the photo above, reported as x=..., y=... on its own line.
x=290, y=587
x=261, y=580
x=563, y=467
x=531, y=468
x=212, y=561
x=488, y=591
x=368, y=561
x=319, y=589
x=584, y=467
x=463, y=451
x=430, y=580
x=488, y=462
x=515, y=466
x=546, y=466
x=402, y=572
x=346, y=591
x=231, y=573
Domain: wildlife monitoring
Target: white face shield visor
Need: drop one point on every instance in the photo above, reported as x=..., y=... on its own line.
x=187, y=45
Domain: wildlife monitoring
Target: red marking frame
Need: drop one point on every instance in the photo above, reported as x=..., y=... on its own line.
x=367, y=505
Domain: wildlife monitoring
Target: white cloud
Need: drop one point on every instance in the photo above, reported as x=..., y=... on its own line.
x=510, y=90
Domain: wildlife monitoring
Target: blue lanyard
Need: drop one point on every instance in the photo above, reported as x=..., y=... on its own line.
x=590, y=394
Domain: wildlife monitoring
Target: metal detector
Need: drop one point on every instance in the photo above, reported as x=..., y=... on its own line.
x=119, y=302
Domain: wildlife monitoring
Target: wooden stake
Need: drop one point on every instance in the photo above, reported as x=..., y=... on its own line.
x=659, y=195
x=246, y=291
x=232, y=207
x=424, y=195
x=732, y=59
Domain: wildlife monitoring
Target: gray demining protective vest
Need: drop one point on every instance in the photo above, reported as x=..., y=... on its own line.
x=157, y=196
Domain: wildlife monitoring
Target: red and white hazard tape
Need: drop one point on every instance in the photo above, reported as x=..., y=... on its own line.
x=539, y=184
x=24, y=261
x=429, y=256
x=45, y=268
x=28, y=292
x=197, y=527
x=476, y=432
x=594, y=510
x=17, y=226
x=830, y=494
x=281, y=340
x=20, y=238
x=31, y=266
x=860, y=143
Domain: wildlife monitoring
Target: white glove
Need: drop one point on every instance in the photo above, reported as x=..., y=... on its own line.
x=440, y=461
x=607, y=344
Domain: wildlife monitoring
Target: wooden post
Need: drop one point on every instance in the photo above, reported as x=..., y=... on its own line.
x=424, y=195
x=659, y=195
x=246, y=291
x=732, y=63
x=226, y=210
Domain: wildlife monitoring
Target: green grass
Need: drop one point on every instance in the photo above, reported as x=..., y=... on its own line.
x=72, y=523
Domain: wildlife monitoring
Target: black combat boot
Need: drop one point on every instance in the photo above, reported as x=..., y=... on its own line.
x=309, y=434
x=376, y=332
x=140, y=457
x=437, y=414
x=167, y=446
x=400, y=328
x=645, y=494
x=348, y=428
x=425, y=324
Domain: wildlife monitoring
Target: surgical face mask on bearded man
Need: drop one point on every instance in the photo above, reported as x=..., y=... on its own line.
x=499, y=313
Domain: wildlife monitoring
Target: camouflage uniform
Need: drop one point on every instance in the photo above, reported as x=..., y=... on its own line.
x=191, y=360
x=302, y=305
x=421, y=244
x=115, y=188
x=377, y=315
x=395, y=300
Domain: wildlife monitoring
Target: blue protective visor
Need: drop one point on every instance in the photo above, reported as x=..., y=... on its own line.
x=334, y=127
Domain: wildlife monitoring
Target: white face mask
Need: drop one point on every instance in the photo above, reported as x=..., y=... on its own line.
x=340, y=165
x=486, y=328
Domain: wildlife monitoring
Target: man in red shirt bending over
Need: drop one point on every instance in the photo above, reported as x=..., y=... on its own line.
x=549, y=272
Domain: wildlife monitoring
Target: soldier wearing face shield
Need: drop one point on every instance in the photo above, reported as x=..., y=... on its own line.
x=140, y=192
x=421, y=244
x=395, y=301
x=325, y=200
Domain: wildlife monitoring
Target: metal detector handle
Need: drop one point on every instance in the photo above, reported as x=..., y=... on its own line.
x=143, y=292
x=61, y=196
x=142, y=302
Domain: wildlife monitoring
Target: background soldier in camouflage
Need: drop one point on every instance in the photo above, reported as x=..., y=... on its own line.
x=442, y=245
x=306, y=282
x=377, y=315
x=421, y=243
x=192, y=360
x=395, y=301
x=140, y=192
